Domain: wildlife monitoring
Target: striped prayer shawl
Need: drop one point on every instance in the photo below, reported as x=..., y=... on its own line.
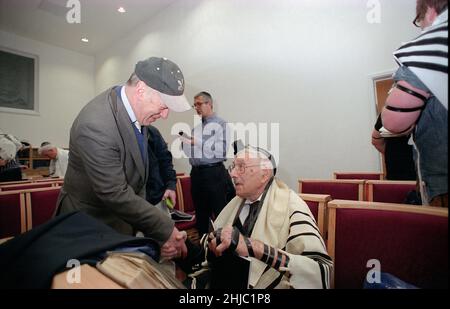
x=285, y=222
x=427, y=57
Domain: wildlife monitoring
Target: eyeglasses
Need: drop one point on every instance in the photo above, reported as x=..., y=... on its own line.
x=240, y=168
x=417, y=20
x=198, y=104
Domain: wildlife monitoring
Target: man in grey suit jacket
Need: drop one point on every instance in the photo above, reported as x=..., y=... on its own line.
x=108, y=165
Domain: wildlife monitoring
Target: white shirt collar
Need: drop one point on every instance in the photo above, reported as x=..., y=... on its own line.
x=130, y=111
x=443, y=17
x=248, y=202
x=246, y=209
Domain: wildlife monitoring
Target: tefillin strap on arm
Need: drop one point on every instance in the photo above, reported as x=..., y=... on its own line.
x=234, y=240
x=410, y=92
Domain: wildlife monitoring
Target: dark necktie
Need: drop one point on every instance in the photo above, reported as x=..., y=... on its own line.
x=140, y=139
x=252, y=213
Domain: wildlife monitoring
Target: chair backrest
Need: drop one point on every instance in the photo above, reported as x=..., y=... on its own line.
x=348, y=189
x=186, y=195
x=317, y=203
x=19, y=182
x=40, y=205
x=12, y=213
x=178, y=199
x=409, y=242
x=47, y=179
x=358, y=175
x=388, y=191
x=27, y=186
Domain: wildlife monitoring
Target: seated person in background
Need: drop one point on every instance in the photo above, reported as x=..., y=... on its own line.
x=59, y=159
x=272, y=225
x=9, y=169
x=162, y=179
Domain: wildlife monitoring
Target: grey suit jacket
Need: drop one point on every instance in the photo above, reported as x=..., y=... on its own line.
x=106, y=175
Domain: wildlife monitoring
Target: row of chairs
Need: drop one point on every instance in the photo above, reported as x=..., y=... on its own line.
x=21, y=210
x=385, y=191
x=31, y=184
x=24, y=204
x=367, y=238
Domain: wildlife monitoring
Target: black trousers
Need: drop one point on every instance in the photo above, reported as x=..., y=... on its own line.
x=211, y=191
x=11, y=174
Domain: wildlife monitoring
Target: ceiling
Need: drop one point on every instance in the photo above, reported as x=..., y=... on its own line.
x=101, y=23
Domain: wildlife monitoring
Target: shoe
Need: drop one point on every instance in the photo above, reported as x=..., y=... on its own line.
x=179, y=216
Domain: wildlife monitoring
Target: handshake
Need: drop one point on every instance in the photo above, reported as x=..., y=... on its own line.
x=175, y=246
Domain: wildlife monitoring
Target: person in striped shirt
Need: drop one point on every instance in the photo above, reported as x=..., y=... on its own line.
x=418, y=101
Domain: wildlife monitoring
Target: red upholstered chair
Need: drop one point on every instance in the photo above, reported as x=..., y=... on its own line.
x=358, y=175
x=410, y=242
x=186, y=203
x=178, y=198
x=352, y=189
x=12, y=213
x=27, y=186
x=388, y=191
x=317, y=204
x=40, y=205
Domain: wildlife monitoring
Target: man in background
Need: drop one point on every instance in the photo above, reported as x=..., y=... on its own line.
x=206, y=149
x=59, y=159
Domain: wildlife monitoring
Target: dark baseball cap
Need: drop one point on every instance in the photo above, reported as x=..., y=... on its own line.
x=164, y=76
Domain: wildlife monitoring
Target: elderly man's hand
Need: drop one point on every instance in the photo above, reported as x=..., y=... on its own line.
x=226, y=235
x=172, y=195
x=175, y=246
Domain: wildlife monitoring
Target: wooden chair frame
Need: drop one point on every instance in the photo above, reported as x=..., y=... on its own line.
x=322, y=200
x=350, y=181
x=23, y=222
x=29, y=206
x=380, y=174
x=369, y=186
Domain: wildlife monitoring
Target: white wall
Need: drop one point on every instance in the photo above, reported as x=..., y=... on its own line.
x=302, y=64
x=66, y=84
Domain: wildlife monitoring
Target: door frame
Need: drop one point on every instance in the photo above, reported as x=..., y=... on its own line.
x=373, y=79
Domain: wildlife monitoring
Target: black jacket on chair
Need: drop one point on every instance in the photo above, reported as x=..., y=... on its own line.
x=30, y=260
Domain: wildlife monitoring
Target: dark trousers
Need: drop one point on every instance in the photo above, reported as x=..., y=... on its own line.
x=11, y=174
x=210, y=188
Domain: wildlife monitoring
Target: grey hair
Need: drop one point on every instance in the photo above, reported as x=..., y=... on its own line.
x=45, y=148
x=133, y=80
x=205, y=95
